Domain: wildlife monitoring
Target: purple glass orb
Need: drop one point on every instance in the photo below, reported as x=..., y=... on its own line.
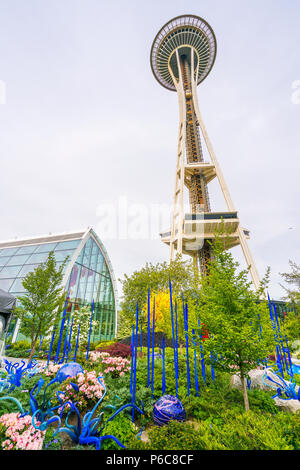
x=168, y=408
x=68, y=370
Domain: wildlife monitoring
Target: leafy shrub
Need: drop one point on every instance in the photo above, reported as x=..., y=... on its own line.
x=83, y=447
x=179, y=436
x=104, y=344
x=17, y=353
x=231, y=431
x=117, y=350
x=251, y=431
x=21, y=345
x=92, y=346
x=290, y=425
x=261, y=401
x=20, y=393
x=51, y=442
x=120, y=427
x=2, y=433
x=19, y=349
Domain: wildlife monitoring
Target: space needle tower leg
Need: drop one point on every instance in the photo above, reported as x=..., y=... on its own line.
x=225, y=191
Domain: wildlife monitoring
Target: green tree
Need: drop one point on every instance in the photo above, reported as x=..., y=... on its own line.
x=292, y=320
x=233, y=314
x=292, y=278
x=42, y=301
x=185, y=280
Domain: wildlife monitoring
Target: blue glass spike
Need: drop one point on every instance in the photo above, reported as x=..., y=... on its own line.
x=75, y=386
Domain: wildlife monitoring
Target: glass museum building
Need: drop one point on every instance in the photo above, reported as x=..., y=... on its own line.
x=88, y=275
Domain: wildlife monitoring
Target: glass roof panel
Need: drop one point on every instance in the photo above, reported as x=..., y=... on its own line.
x=96, y=287
x=26, y=249
x=100, y=262
x=105, y=271
x=80, y=256
x=61, y=255
x=8, y=251
x=87, y=252
x=9, y=271
x=46, y=247
x=17, y=285
x=90, y=286
x=94, y=256
x=37, y=258
x=82, y=283
x=5, y=284
x=27, y=269
x=73, y=280
x=17, y=260
x=3, y=260
x=68, y=245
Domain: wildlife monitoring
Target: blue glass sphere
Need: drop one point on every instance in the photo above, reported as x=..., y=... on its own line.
x=157, y=355
x=168, y=408
x=68, y=370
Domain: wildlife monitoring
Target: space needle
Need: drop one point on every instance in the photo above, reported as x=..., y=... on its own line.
x=182, y=56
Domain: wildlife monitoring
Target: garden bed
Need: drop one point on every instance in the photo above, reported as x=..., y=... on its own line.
x=215, y=419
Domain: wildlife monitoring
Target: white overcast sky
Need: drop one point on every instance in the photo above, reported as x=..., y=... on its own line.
x=85, y=122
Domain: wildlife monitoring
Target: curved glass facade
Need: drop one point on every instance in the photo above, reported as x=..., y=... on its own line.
x=89, y=281
x=90, y=275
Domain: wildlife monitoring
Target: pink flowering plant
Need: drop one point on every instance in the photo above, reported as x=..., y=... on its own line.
x=19, y=433
x=90, y=390
x=114, y=366
x=52, y=370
